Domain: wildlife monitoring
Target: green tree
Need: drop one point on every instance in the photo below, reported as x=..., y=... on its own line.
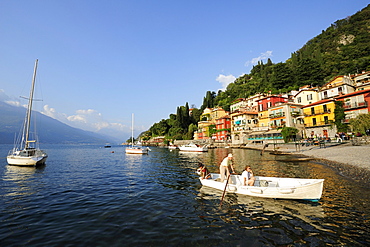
x=361, y=123
x=211, y=130
x=282, y=76
x=288, y=133
x=339, y=116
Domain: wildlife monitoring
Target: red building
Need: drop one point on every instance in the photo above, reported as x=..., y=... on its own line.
x=355, y=103
x=223, y=128
x=270, y=101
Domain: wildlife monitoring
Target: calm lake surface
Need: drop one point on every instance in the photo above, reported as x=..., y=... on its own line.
x=88, y=196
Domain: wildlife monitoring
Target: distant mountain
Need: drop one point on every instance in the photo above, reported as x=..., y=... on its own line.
x=49, y=130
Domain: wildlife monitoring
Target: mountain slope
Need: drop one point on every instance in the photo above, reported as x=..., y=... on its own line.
x=49, y=130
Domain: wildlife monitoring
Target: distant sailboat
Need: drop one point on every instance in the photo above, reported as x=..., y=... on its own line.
x=26, y=152
x=135, y=149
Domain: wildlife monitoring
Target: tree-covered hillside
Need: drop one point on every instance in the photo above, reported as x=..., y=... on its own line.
x=343, y=48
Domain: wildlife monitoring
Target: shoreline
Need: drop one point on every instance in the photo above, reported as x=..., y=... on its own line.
x=350, y=161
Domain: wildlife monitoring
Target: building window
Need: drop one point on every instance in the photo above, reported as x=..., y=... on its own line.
x=309, y=96
x=314, y=121
x=312, y=111
x=325, y=94
x=325, y=108
x=326, y=119
x=299, y=99
x=340, y=90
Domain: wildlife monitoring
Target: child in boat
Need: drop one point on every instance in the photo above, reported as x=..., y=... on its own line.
x=248, y=177
x=203, y=171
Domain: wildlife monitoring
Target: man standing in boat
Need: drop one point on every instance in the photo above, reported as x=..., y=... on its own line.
x=226, y=167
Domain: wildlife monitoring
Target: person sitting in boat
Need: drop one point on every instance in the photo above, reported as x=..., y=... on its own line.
x=248, y=177
x=203, y=171
x=226, y=167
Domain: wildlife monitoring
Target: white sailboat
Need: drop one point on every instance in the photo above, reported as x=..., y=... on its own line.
x=26, y=151
x=135, y=149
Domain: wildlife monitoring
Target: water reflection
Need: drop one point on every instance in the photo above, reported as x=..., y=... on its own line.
x=23, y=177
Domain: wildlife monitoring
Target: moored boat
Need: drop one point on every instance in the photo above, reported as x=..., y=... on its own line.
x=172, y=146
x=135, y=149
x=191, y=147
x=26, y=152
x=270, y=187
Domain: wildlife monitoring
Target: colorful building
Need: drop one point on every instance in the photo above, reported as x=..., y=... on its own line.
x=362, y=81
x=208, y=121
x=319, y=118
x=306, y=96
x=223, y=128
x=242, y=124
x=340, y=85
x=355, y=103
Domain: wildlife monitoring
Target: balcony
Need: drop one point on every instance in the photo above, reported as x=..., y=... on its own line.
x=277, y=115
x=295, y=114
x=355, y=105
x=317, y=113
x=319, y=123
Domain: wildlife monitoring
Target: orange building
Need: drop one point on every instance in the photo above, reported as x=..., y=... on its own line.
x=223, y=128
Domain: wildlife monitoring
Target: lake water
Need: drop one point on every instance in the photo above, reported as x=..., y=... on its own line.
x=87, y=195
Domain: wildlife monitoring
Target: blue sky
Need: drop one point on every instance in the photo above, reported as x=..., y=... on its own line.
x=101, y=61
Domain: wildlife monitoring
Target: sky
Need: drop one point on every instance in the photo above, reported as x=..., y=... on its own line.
x=102, y=61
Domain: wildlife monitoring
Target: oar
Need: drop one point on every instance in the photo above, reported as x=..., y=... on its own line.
x=263, y=149
x=224, y=190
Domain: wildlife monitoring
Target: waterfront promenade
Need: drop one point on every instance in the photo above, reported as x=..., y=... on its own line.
x=351, y=161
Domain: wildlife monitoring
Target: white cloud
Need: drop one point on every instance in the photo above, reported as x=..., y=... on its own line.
x=14, y=103
x=225, y=80
x=264, y=55
x=90, y=120
x=9, y=100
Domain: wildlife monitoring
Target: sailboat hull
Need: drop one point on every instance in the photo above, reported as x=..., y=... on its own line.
x=17, y=160
x=136, y=150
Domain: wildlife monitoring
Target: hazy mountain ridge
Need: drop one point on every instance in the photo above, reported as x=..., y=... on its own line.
x=49, y=130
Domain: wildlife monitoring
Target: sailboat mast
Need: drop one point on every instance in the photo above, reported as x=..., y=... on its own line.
x=132, y=130
x=30, y=100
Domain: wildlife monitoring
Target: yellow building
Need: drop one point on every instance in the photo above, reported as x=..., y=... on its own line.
x=263, y=120
x=319, y=118
x=208, y=119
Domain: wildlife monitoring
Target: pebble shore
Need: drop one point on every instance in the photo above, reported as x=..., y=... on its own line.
x=350, y=161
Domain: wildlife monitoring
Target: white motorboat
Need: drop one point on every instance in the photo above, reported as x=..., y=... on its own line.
x=270, y=187
x=172, y=146
x=135, y=149
x=26, y=152
x=191, y=147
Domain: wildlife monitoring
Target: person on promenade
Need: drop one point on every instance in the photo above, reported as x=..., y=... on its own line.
x=226, y=166
x=339, y=139
x=203, y=171
x=248, y=177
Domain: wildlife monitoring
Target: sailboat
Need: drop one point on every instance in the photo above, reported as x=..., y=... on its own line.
x=135, y=149
x=26, y=151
